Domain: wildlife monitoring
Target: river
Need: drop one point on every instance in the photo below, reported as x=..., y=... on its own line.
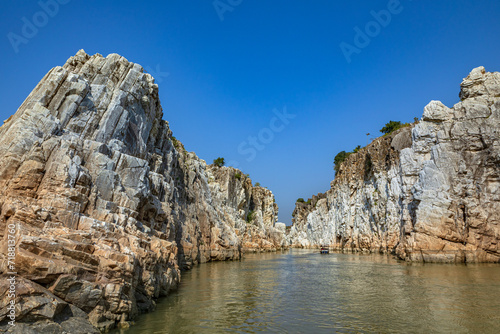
x=301, y=291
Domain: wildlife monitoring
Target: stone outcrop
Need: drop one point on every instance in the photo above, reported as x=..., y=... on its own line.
x=359, y=210
x=107, y=205
x=429, y=192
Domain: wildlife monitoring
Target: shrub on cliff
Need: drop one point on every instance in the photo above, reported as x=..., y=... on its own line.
x=177, y=144
x=393, y=126
x=219, y=162
x=390, y=127
x=339, y=159
x=250, y=216
x=300, y=200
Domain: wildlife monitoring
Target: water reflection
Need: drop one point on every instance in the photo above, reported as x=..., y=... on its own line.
x=305, y=292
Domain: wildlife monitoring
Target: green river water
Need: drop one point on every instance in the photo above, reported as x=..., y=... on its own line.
x=302, y=291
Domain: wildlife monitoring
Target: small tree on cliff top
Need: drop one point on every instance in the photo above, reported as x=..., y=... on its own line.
x=391, y=126
x=339, y=159
x=219, y=162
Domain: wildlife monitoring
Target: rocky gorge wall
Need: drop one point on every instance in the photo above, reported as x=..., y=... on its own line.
x=107, y=206
x=429, y=192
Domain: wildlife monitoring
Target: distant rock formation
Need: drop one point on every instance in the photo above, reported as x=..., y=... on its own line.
x=429, y=192
x=107, y=205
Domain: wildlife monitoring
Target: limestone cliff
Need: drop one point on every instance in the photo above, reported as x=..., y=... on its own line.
x=107, y=205
x=429, y=192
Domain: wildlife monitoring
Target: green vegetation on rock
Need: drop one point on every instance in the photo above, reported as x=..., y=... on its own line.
x=339, y=159
x=177, y=144
x=219, y=162
x=393, y=126
x=250, y=216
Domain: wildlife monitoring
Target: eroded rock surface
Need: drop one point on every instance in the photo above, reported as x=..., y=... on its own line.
x=107, y=205
x=429, y=192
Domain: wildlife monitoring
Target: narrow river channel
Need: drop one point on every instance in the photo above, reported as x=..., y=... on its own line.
x=301, y=291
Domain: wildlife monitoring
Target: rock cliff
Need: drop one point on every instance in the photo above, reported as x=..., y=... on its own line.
x=429, y=192
x=106, y=205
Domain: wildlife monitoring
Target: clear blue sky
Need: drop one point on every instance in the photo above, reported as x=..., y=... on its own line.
x=226, y=76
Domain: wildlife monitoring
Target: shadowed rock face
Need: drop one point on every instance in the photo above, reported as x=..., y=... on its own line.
x=429, y=192
x=107, y=205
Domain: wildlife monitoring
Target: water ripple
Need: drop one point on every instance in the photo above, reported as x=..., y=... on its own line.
x=304, y=292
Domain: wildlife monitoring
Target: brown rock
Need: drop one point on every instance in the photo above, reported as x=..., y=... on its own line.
x=106, y=203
